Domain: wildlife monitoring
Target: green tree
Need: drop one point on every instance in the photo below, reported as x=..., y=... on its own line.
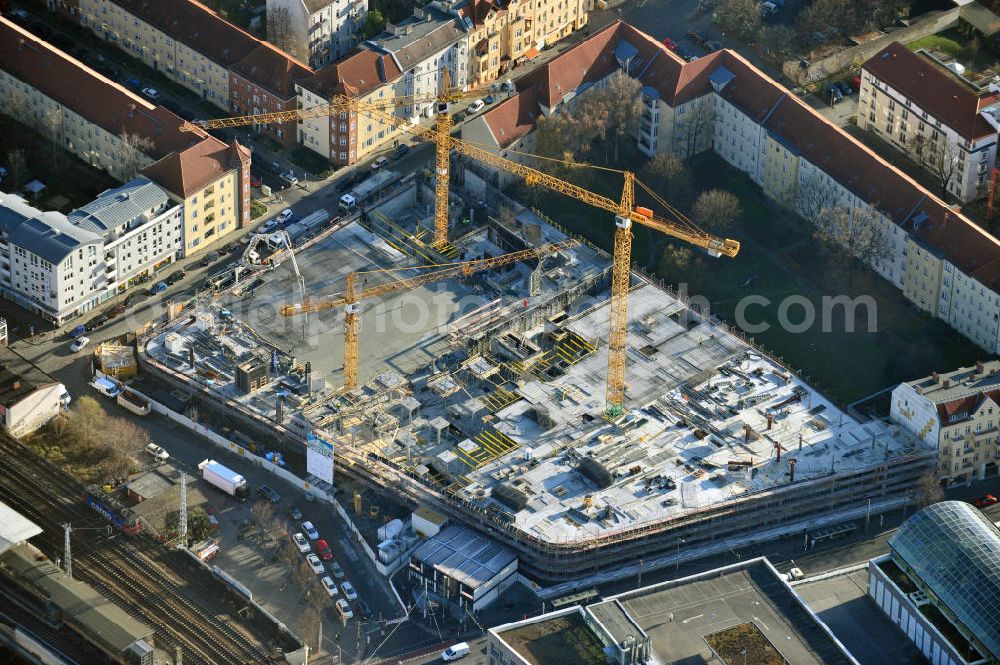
x=716, y=210
x=374, y=23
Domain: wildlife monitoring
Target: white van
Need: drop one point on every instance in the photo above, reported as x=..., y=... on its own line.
x=455, y=651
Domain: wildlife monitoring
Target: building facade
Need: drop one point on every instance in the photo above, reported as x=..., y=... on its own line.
x=60, y=266
x=28, y=396
x=957, y=412
x=318, y=32
x=933, y=116
x=211, y=181
x=940, y=583
x=264, y=82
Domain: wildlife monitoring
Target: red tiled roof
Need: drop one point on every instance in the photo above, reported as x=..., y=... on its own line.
x=963, y=407
x=932, y=89
x=273, y=70
x=356, y=74
x=873, y=179
x=195, y=25
x=187, y=171
x=88, y=93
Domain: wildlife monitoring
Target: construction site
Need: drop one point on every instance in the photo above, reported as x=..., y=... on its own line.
x=528, y=385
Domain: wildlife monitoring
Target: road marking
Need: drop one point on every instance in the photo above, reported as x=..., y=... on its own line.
x=761, y=622
x=696, y=616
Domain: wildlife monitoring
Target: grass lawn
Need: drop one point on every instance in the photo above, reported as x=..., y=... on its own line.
x=70, y=182
x=782, y=260
x=938, y=42
x=958, y=46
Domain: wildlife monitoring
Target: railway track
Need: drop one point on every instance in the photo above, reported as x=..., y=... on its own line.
x=120, y=570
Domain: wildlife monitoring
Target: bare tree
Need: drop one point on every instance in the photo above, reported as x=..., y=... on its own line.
x=53, y=126
x=303, y=576
x=857, y=232
x=674, y=260
x=279, y=31
x=130, y=154
x=667, y=173
x=623, y=95
x=310, y=617
x=17, y=164
x=741, y=17
x=692, y=123
x=123, y=441
x=15, y=101
x=777, y=41
x=939, y=158
x=86, y=425
x=928, y=489
x=716, y=210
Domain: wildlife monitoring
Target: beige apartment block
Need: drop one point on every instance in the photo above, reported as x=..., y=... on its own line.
x=959, y=413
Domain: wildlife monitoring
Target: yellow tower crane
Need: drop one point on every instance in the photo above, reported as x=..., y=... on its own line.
x=352, y=296
x=625, y=211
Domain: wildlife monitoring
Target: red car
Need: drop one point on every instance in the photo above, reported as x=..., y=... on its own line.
x=856, y=82
x=256, y=180
x=323, y=550
x=669, y=43
x=984, y=501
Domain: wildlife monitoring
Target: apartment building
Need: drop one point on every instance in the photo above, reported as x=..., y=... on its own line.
x=957, y=412
x=28, y=396
x=87, y=113
x=264, y=82
x=932, y=115
x=941, y=261
x=345, y=138
x=316, y=31
x=499, y=37
x=421, y=46
x=211, y=181
x=141, y=230
x=59, y=266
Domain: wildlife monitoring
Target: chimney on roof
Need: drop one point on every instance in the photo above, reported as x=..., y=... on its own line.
x=131, y=110
x=980, y=368
x=936, y=377
x=946, y=383
x=16, y=385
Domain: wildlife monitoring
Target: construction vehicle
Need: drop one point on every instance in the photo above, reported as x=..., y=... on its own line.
x=625, y=211
x=224, y=479
x=364, y=191
x=352, y=296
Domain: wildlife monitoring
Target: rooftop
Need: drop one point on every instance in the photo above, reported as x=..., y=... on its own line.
x=464, y=556
x=188, y=171
x=942, y=387
x=562, y=637
x=272, y=69
x=15, y=528
x=49, y=234
x=954, y=551
x=356, y=74
x=19, y=378
x=416, y=38
x=679, y=614
x=102, y=622
x=931, y=88
x=121, y=206
x=95, y=97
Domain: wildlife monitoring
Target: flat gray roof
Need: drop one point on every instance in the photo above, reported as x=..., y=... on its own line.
x=117, y=207
x=105, y=624
x=14, y=528
x=464, y=556
x=677, y=615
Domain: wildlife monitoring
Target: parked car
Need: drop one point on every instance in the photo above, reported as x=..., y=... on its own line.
x=330, y=586
x=768, y=8
x=159, y=287
x=669, y=43
x=489, y=99
x=344, y=609
x=293, y=512
x=77, y=331
x=301, y=542
x=133, y=84
x=833, y=94
x=256, y=180
x=476, y=106
x=209, y=258
x=366, y=612
x=379, y=163
x=310, y=531
x=458, y=117
x=284, y=216
x=229, y=247
x=79, y=343
x=844, y=88
x=40, y=29
x=266, y=492
x=20, y=16
x=400, y=150
x=984, y=501
x=697, y=36
x=150, y=93
x=323, y=550
x=856, y=82
x=269, y=226
x=175, y=277
x=455, y=652
x=158, y=453
x=349, y=591
x=713, y=46
x=97, y=321
x=315, y=564
x=337, y=571
x=289, y=177
x=684, y=52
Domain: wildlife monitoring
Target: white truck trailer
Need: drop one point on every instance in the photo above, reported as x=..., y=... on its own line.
x=224, y=479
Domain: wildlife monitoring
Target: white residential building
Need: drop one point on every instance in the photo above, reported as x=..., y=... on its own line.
x=316, y=31
x=60, y=266
x=29, y=397
x=938, y=119
x=958, y=413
